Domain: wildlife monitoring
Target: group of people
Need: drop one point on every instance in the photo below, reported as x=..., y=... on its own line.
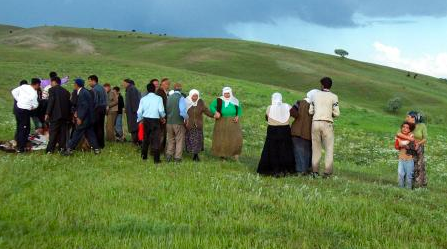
x=165, y=120
x=297, y=148
x=171, y=122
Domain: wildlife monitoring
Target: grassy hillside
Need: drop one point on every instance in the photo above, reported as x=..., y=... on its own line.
x=362, y=84
x=115, y=200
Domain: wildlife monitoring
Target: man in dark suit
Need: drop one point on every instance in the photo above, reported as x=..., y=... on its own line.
x=58, y=114
x=84, y=119
x=162, y=91
x=133, y=97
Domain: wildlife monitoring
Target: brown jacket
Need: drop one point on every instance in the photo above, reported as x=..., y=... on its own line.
x=302, y=125
x=195, y=119
x=112, y=101
x=160, y=92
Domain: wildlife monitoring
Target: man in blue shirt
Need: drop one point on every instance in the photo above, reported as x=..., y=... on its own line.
x=151, y=112
x=176, y=118
x=100, y=107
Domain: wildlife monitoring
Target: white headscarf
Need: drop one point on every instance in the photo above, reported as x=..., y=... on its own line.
x=171, y=92
x=189, y=102
x=310, y=95
x=279, y=111
x=229, y=100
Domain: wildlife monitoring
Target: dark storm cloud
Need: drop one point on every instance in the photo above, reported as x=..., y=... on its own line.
x=205, y=17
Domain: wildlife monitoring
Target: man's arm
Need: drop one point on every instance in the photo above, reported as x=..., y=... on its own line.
x=161, y=108
x=15, y=93
x=140, y=111
x=34, y=101
x=50, y=102
x=182, y=108
x=335, y=108
x=134, y=101
x=312, y=108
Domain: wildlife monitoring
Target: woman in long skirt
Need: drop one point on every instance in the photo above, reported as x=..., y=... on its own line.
x=227, y=135
x=194, y=127
x=277, y=157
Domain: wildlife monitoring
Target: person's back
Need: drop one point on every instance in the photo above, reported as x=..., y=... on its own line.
x=173, y=110
x=324, y=106
x=301, y=126
x=59, y=104
x=100, y=96
x=85, y=105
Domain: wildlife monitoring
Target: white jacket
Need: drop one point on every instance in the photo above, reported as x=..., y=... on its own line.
x=324, y=106
x=26, y=97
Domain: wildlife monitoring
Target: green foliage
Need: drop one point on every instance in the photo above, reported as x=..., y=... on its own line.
x=394, y=104
x=341, y=52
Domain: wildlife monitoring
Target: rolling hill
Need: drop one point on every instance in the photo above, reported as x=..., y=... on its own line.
x=357, y=83
x=116, y=200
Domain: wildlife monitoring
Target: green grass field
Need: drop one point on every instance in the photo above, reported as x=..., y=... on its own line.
x=115, y=200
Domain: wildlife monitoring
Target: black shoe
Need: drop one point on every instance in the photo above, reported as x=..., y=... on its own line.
x=20, y=151
x=315, y=174
x=196, y=158
x=144, y=157
x=177, y=160
x=169, y=159
x=97, y=151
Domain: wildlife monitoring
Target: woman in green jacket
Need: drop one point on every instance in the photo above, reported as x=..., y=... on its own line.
x=227, y=135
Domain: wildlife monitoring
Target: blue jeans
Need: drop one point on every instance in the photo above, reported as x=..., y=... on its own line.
x=119, y=125
x=405, y=172
x=302, y=150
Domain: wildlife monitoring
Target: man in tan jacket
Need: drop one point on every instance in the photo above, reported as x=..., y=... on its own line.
x=112, y=112
x=324, y=108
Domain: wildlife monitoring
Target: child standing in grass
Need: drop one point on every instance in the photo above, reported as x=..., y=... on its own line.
x=406, y=147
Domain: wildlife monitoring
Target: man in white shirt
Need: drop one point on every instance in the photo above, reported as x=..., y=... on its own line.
x=324, y=108
x=26, y=101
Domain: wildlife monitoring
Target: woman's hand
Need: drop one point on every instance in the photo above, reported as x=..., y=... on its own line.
x=217, y=115
x=236, y=119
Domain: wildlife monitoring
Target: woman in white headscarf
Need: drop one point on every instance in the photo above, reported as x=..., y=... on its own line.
x=195, y=107
x=277, y=157
x=227, y=135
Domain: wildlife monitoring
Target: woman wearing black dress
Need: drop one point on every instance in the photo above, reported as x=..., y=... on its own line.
x=277, y=157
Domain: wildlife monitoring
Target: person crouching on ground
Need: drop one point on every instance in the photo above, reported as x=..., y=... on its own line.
x=151, y=112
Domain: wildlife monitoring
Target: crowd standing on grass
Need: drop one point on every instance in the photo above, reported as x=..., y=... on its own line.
x=164, y=121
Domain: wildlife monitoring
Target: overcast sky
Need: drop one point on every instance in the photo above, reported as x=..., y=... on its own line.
x=408, y=34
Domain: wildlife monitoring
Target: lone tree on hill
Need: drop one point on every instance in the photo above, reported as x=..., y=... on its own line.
x=343, y=53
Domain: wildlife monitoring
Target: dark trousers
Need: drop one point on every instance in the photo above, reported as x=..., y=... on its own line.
x=79, y=133
x=152, y=137
x=100, y=114
x=58, y=135
x=23, y=127
x=302, y=149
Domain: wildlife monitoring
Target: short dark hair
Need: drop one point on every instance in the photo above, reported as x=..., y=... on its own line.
x=93, y=77
x=116, y=89
x=153, y=80
x=23, y=82
x=56, y=79
x=326, y=82
x=53, y=74
x=106, y=85
x=35, y=81
x=410, y=125
x=129, y=81
x=150, y=88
